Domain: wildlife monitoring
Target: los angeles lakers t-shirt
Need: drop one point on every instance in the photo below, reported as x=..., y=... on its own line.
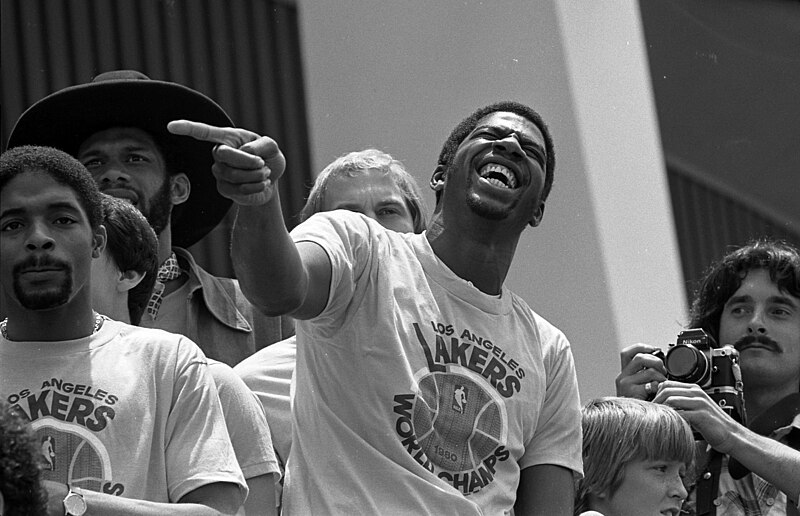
x=416, y=393
x=128, y=411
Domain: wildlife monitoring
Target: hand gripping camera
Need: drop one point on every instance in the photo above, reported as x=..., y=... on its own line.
x=696, y=358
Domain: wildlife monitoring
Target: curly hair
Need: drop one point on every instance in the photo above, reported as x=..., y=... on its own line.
x=723, y=279
x=19, y=470
x=466, y=126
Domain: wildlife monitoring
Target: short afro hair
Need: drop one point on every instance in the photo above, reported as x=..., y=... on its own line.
x=63, y=168
x=20, y=470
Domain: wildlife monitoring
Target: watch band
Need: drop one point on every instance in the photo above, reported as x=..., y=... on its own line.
x=74, y=504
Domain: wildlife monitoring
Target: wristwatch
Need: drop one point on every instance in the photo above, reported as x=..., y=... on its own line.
x=74, y=504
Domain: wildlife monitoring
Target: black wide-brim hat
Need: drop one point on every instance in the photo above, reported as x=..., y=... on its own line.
x=127, y=98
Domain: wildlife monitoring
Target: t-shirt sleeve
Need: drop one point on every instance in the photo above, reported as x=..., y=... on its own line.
x=268, y=374
x=246, y=422
x=558, y=436
x=347, y=238
x=198, y=448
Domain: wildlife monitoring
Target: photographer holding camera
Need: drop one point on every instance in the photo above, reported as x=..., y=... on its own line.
x=750, y=300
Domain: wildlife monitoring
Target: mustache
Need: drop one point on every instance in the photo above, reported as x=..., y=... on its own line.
x=747, y=340
x=39, y=262
x=119, y=185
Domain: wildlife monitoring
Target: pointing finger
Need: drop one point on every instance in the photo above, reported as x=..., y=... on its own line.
x=232, y=136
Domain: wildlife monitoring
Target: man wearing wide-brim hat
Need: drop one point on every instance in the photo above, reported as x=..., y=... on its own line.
x=116, y=125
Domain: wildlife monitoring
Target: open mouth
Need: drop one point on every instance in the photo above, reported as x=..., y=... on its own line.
x=498, y=175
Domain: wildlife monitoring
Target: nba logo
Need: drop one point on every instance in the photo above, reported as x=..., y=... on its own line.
x=459, y=399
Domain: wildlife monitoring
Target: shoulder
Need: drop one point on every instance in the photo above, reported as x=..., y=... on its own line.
x=153, y=338
x=348, y=226
x=269, y=358
x=228, y=383
x=547, y=332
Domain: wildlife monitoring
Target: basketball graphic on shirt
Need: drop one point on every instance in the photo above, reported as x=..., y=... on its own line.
x=457, y=419
x=68, y=457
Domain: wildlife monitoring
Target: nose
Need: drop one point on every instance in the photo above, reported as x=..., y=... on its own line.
x=756, y=324
x=39, y=238
x=113, y=172
x=677, y=488
x=509, y=145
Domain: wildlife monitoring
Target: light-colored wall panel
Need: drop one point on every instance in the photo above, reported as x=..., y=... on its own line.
x=399, y=77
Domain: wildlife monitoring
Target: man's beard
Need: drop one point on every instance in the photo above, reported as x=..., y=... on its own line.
x=159, y=207
x=43, y=299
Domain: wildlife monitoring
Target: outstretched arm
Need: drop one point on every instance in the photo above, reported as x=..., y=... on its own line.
x=774, y=462
x=210, y=499
x=276, y=275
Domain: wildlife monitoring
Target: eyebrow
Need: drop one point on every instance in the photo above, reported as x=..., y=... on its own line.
x=57, y=205
x=780, y=300
x=524, y=140
x=134, y=147
x=386, y=202
x=346, y=206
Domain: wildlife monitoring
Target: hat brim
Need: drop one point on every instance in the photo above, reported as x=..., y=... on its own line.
x=66, y=118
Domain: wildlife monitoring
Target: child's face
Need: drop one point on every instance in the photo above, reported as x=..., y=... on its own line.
x=649, y=488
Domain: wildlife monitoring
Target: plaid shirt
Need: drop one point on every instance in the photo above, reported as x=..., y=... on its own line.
x=751, y=495
x=168, y=271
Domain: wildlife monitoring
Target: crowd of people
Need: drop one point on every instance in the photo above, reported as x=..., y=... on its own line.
x=370, y=361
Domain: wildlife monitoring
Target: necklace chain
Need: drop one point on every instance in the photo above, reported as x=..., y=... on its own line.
x=98, y=322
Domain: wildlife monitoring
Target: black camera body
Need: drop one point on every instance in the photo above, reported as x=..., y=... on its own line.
x=696, y=358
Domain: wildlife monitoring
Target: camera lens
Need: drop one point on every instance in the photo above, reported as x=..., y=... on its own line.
x=686, y=364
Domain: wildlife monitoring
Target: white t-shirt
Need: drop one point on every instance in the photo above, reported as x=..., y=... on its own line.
x=128, y=411
x=416, y=393
x=246, y=422
x=268, y=373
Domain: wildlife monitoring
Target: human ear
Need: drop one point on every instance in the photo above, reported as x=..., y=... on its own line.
x=538, y=213
x=180, y=188
x=438, y=178
x=129, y=279
x=100, y=238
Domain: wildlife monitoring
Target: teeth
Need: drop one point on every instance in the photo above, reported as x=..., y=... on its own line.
x=498, y=175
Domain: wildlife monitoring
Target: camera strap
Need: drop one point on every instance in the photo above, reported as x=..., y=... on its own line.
x=707, y=486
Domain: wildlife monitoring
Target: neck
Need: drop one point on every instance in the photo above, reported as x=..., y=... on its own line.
x=164, y=244
x=69, y=322
x=119, y=310
x=758, y=399
x=481, y=257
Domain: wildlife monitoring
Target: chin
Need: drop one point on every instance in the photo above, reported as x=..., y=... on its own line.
x=485, y=210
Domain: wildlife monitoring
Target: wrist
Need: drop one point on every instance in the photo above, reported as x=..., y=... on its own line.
x=74, y=503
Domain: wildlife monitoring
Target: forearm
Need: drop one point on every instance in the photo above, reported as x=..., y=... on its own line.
x=774, y=462
x=266, y=259
x=101, y=504
x=261, y=498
